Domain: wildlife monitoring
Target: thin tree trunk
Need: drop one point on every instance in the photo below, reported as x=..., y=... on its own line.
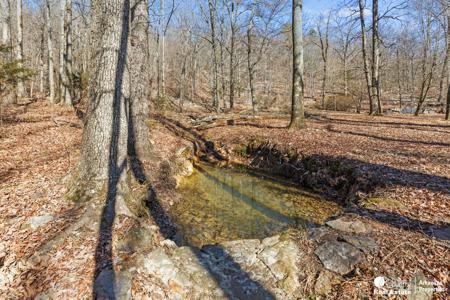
x=375, y=60
x=447, y=111
x=62, y=49
x=232, y=53
x=364, y=54
x=212, y=21
x=68, y=73
x=222, y=62
x=19, y=46
x=163, y=50
x=399, y=79
x=324, y=43
x=51, y=81
x=298, y=111
x=250, y=64
x=443, y=72
x=41, y=63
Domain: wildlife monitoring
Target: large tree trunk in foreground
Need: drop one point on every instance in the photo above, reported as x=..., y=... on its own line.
x=139, y=64
x=105, y=135
x=298, y=111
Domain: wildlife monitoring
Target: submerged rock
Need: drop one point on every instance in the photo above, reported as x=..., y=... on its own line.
x=339, y=257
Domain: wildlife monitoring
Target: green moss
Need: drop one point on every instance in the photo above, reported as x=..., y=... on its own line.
x=241, y=150
x=382, y=202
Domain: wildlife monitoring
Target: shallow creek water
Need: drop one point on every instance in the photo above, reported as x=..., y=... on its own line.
x=222, y=204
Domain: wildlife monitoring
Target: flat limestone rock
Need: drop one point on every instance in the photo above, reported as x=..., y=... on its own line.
x=38, y=221
x=363, y=243
x=339, y=257
x=349, y=226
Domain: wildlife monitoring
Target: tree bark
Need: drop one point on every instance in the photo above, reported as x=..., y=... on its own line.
x=105, y=136
x=372, y=109
x=62, y=49
x=68, y=57
x=19, y=46
x=139, y=66
x=51, y=81
x=447, y=111
x=232, y=52
x=212, y=21
x=250, y=64
x=68, y=73
x=375, y=60
x=324, y=45
x=298, y=111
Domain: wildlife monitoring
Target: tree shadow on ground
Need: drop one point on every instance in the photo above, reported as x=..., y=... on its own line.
x=400, y=125
x=344, y=180
x=386, y=138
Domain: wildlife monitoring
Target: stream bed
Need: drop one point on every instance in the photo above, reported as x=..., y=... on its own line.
x=221, y=204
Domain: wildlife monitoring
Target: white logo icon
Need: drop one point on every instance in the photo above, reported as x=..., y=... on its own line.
x=379, y=281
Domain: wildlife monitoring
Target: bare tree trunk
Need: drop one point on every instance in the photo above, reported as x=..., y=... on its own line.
x=447, y=111
x=222, y=61
x=68, y=73
x=51, y=81
x=250, y=64
x=105, y=135
x=5, y=23
x=444, y=71
x=212, y=21
x=324, y=45
x=372, y=109
x=19, y=46
x=41, y=63
x=139, y=65
x=232, y=52
x=298, y=111
x=163, y=50
x=62, y=49
x=399, y=79
x=427, y=77
x=194, y=72
x=375, y=60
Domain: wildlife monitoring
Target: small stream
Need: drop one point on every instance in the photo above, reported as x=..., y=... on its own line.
x=221, y=204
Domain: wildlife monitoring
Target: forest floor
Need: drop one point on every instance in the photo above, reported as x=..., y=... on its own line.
x=40, y=146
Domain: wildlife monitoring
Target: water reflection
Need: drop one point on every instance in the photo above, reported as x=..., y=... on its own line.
x=225, y=204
